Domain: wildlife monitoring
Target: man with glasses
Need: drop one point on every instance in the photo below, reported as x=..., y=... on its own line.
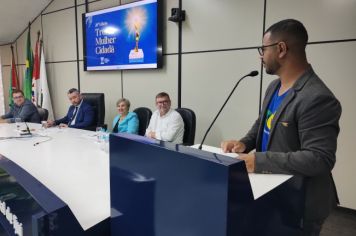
x=166, y=124
x=22, y=108
x=296, y=132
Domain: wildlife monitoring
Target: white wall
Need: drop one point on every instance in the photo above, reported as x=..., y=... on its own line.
x=208, y=77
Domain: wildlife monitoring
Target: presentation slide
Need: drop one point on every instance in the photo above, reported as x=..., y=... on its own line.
x=123, y=37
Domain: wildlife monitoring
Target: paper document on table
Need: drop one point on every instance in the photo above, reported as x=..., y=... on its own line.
x=263, y=183
x=260, y=183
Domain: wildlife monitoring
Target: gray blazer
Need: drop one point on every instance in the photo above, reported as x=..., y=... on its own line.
x=27, y=112
x=302, y=140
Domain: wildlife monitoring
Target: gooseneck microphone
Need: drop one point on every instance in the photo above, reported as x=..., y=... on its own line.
x=28, y=129
x=251, y=74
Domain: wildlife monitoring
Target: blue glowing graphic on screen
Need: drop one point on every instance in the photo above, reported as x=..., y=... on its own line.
x=123, y=37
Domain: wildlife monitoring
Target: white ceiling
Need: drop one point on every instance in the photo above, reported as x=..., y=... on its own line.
x=15, y=15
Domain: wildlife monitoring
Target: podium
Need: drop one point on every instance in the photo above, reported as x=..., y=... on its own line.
x=159, y=189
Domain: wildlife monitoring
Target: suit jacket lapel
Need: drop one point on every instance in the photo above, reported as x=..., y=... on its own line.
x=75, y=112
x=289, y=97
x=265, y=104
x=298, y=85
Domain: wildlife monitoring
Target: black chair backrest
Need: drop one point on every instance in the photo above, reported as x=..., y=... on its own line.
x=97, y=101
x=43, y=113
x=144, y=115
x=189, y=119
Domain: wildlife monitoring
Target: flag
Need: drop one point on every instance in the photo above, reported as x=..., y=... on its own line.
x=27, y=83
x=2, y=98
x=14, y=81
x=45, y=97
x=36, y=89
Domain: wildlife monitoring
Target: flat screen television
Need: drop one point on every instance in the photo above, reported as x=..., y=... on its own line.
x=124, y=37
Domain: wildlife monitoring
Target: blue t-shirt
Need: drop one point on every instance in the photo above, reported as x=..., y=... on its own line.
x=271, y=111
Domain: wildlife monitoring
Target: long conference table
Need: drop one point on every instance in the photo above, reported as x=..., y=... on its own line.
x=69, y=162
x=71, y=172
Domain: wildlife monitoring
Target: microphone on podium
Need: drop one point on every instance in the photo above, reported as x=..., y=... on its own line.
x=251, y=74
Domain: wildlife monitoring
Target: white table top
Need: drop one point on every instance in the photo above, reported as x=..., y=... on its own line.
x=260, y=183
x=71, y=164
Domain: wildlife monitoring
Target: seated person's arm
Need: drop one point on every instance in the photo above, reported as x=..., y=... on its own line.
x=26, y=112
x=149, y=129
x=50, y=123
x=173, y=128
x=132, y=125
x=8, y=117
x=63, y=120
x=88, y=114
x=116, y=118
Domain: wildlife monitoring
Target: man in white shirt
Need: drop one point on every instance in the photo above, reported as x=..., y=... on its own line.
x=166, y=124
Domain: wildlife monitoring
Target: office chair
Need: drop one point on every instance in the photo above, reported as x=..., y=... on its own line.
x=43, y=113
x=97, y=101
x=144, y=115
x=189, y=120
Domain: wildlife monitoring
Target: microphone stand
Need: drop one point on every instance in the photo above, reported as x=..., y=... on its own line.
x=28, y=130
x=252, y=73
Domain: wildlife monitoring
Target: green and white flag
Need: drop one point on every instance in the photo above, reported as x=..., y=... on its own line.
x=45, y=95
x=27, y=83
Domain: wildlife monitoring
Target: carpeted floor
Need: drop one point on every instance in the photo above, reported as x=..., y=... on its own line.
x=341, y=222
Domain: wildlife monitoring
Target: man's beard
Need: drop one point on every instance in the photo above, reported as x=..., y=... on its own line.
x=272, y=67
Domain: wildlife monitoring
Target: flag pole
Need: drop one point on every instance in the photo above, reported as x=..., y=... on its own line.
x=40, y=58
x=41, y=42
x=38, y=39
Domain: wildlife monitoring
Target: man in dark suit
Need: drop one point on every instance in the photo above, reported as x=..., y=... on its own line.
x=80, y=114
x=296, y=132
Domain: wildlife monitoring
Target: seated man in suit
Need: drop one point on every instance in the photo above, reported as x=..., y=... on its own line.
x=166, y=124
x=80, y=114
x=22, y=108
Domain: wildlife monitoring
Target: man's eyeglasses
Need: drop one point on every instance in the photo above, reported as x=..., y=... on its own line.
x=261, y=50
x=17, y=97
x=163, y=102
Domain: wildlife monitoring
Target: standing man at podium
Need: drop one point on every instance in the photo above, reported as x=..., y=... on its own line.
x=166, y=124
x=296, y=132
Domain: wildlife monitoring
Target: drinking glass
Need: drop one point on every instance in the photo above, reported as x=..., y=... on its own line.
x=104, y=145
x=44, y=124
x=98, y=131
x=18, y=123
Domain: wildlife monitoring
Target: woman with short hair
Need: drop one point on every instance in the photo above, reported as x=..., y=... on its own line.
x=125, y=121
